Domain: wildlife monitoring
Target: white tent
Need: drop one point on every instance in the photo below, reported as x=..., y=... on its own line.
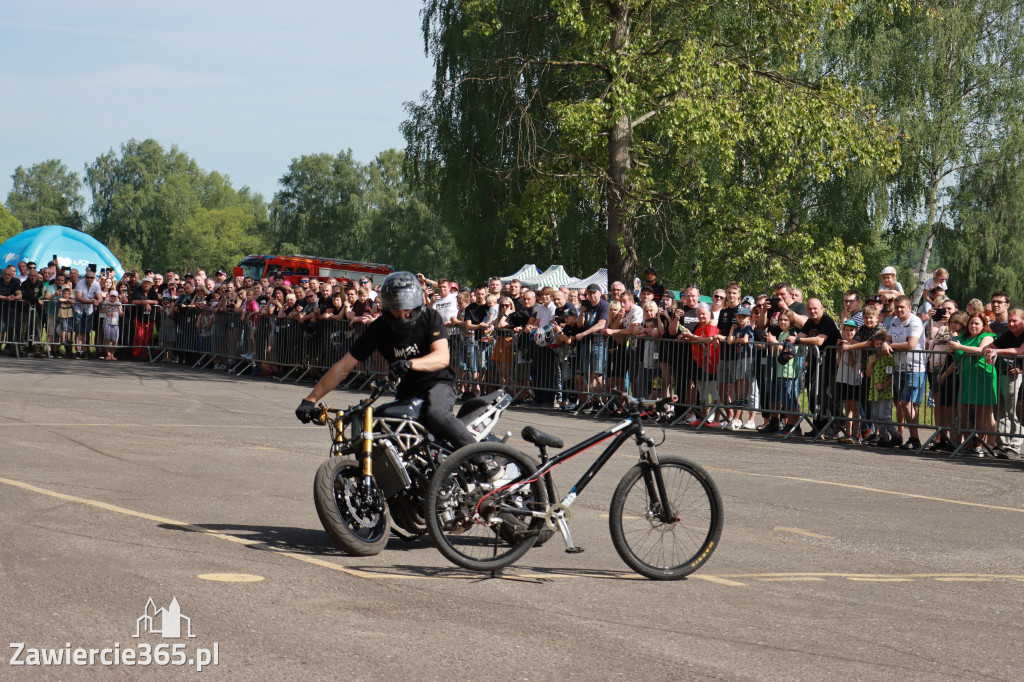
x=526, y=272
x=600, y=278
x=555, y=276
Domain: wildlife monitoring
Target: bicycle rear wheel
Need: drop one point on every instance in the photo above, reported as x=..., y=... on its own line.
x=471, y=520
x=663, y=549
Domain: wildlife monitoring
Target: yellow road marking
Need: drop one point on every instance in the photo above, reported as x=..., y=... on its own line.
x=231, y=577
x=793, y=579
x=963, y=580
x=869, y=489
x=800, y=531
x=731, y=580
x=198, y=529
x=718, y=580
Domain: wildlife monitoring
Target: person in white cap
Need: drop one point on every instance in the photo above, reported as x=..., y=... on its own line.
x=889, y=283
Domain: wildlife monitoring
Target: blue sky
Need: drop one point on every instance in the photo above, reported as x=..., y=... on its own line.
x=242, y=87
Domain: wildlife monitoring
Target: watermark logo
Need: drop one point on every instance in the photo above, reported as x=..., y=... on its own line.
x=167, y=623
x=164, y=622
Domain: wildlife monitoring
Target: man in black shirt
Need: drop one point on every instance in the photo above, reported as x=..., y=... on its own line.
x=413, y=339
x=651, y=280
x=1007, y=355
x=10, y=294
x=32, y=293
x=819, y=330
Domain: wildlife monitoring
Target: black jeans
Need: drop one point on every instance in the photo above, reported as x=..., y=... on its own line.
x=438, y=418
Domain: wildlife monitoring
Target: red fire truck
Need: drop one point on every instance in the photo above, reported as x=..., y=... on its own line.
x=296, y=267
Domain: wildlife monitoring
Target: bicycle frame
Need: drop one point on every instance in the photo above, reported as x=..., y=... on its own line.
x=556, y=513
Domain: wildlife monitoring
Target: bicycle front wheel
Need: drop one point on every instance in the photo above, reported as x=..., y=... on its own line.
x=474, y=522
x=663, y=548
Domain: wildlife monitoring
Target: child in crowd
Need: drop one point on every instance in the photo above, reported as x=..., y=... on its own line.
x=848, y=384
x=111, y=311
x=880, y=368
x=741, y=335
x=65, y=317
x=889, y=285
x=785, y=392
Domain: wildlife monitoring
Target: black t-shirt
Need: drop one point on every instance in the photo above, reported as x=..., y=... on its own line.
x=476, y=313
x=689, y=319
x=827, y=326
x=138, y=294
x=998, y=328
x=33, y=293
x=379, y=337
x=566, y=311
x=726, y=319
x=658, y=289
x=1008, y=340
x=9, y=288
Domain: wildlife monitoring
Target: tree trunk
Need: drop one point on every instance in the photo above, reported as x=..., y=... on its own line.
x=933, y=229
x=621, y=244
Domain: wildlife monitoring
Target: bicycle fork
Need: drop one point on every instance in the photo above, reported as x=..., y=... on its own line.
x=656, y=493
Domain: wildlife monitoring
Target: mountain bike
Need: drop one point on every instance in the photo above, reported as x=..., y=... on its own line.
x=665, y=516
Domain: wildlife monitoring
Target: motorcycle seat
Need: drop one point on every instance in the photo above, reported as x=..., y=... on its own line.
x=538, y=437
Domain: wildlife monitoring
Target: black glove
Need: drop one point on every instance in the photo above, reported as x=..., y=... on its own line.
x=399, y=368
x=306, y=411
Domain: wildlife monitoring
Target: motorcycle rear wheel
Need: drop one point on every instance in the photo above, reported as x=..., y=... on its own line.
x=354, y=524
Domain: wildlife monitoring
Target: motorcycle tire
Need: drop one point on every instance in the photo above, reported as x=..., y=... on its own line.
x=352, y=527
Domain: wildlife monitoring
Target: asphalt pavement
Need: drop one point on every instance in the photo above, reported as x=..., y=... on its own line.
x=123, y=482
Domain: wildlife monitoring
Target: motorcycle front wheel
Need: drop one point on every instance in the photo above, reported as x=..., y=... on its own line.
x=358, y=524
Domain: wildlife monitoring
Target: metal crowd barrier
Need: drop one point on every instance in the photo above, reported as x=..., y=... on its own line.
x=962, y=400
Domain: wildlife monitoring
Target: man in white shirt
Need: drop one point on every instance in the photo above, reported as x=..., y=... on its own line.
x=906, y=335
x=448, y=307
x=87, y=296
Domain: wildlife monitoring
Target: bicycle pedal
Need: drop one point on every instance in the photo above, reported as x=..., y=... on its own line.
x=573, y=550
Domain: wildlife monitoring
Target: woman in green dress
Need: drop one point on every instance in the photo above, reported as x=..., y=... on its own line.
x=977, y=381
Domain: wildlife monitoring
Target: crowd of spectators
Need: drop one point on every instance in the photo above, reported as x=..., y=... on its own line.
x=866, y=376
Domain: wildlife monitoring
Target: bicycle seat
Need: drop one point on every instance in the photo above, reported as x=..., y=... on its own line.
x=538, y=437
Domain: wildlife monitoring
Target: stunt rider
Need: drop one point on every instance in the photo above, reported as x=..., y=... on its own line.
x=413, y=339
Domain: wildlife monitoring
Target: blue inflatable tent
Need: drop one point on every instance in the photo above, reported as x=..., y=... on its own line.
x=74, y=249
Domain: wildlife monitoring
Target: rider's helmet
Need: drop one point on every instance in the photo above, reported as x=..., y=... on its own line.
x=401, y=291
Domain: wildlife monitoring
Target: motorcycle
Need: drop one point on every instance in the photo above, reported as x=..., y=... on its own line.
x=381, y=462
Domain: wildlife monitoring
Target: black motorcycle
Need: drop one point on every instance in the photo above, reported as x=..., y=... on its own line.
x=381, y=461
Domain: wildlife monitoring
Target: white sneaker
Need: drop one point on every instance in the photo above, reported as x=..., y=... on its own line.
x=750, y=425
x=725, y=425
x=692, y=421
x=737, y=424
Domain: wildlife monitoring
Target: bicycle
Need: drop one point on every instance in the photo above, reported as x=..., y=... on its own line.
x=665, y=517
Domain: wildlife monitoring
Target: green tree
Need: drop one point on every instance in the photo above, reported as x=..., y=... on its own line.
x=405, y=231
x=9, y=225
x=317, y=210
x=986, y=238
x=951, y=78
x=160, y=208
x=640, y=124
x=47, y=193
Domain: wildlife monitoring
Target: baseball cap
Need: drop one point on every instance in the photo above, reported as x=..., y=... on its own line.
x=745, y=311
x=748, y=300
x=888, y=270
x=647, y=289
x=221, y=272
x=147, y=279
x=594, y=287
x=651, y=269
x=850, y=323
